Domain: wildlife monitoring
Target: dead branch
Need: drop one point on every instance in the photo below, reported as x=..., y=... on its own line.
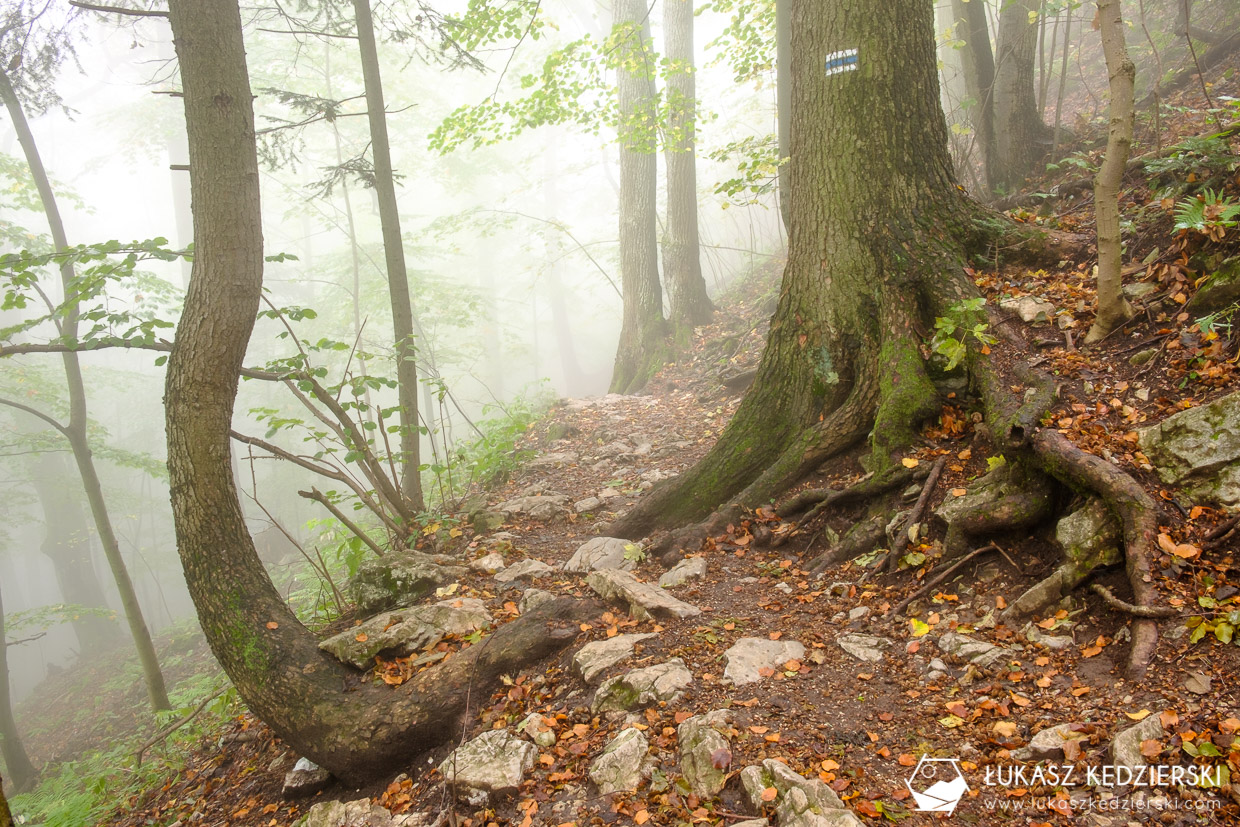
x=937, y=579
x=318, y=496
x=118, y=10
x=171, y=728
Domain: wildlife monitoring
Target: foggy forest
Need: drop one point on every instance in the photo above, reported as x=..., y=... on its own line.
x=455, y=413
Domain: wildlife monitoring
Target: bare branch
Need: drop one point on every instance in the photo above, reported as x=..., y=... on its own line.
x=318, y=496
x=36, y=413
x=117, y=10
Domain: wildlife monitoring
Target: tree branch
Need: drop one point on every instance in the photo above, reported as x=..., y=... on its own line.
x=318, y=496
x=64, y=431
x=117, y=10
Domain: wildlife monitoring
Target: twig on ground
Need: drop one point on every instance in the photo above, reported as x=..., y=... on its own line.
x=1128, y=608
x=171, y=728
x=934, y=581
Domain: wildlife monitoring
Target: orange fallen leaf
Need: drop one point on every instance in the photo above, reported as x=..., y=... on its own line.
x=641, y=817
x=910, y=462
x=959, y=492
x=906, y=759
x=361, y=637
x=271, y=624
x=1000, y=603
x=1169, y=718
x=769, y=794
x=775, y=635
x=759, y=730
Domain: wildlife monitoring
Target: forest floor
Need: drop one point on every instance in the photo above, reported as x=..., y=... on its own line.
x=856, y=725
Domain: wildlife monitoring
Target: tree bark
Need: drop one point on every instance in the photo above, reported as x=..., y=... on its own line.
x=75, y=430
x=643, y=333
x=1019, y=134
x=6, y=817
x=320, y=707
x=394, y=258
x=1111, y=307
x=979, y=73
x=783, y=97
x=877, y=223
x=682, y=254
x=16, y=761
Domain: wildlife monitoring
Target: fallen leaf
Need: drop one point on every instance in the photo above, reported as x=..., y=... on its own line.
x=769, y=794
x=1139, y=715
x=951, y=721
x=910, y=462
x=1169, y=718
x=1151, y=748
x=959, y=492
x=641, y=817
x=361, y=637
x=1000, y=603
x=775, y=635
x=271, y=624
x=1005, y=728
x=906, y=759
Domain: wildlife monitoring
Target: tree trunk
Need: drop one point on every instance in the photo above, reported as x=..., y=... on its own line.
x=394, y=257
x=1019, y=134
x=978, y=62
x=6, y=817
x=320, y=707
x=643, y=333
x=1112, y=308
x=783, y=98
x=876, y=223
x=75, y=430
x=682, y=255
x=16, y=761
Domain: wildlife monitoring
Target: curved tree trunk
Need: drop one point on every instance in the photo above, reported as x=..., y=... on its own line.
x=643, y=333
x=16, y=761
x=6, y=817
x=1019, y=134
x=877, y=223
x=682, y=254
x=320, y=707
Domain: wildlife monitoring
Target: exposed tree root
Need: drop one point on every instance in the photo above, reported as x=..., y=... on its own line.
x=1127, y=608
x=919, y=508
x=860, y=539
x=897, y=610
x=868, y=487
x=1009, y=498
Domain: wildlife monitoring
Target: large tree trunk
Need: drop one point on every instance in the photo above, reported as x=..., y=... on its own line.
x=643, y=332
x=394, y=258
x=682, y=254
x=1019, y=134
x=1112, y=308
x=876, y=223
x=6, y=817
x=75, y=430
x=16, y=761
x=978, y=62
x=783, y=97
x=320, y=707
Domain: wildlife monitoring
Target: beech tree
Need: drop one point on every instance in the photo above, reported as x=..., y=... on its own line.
x=877, y=254
x=1018, y=140
x=16, y=761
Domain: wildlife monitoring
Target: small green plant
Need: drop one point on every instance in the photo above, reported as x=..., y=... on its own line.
x=951, y=332
x=634, y=552
x=1219, y=322
x=1209, y=213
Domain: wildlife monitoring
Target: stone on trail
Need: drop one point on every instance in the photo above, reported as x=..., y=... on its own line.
x=864, y=647
x=1048, y=743
x=1126, y=747
x=1029, y=308
x=489, y=564
x=588, y=504
x=682, y=572
x=525, y=570
x=800, y=802
x=531, y=599
x=404, y=631
x=703, y=739
x=536, y=728
x=397, y=580
x=595, y=657
x=544, y=507
x=604, y=553
x=493, y=763
x=750, y=656
x=643, y=687
x=360, y=813
x=620, y=767
x=1198, y=451
x=305, y=779
x=645, y=601
x=552, y=460
x=981, y=654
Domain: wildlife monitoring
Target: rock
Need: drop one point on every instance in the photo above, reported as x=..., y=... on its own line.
x=619, y=768
x=1137, y=290
x=703, y=743
x=645, y=601
x=1219, y=291
x=405, y=631
x=536, y=728
x=597, y=656
x=484, y=521
x=360, y=813
x=643, y=687
x=609, y=494
x=750, y=656
x=614, y=449
x=525, y=570
x=1198, y=451
x=1056, y=642
x=682, y=572
x=305, y=779
x=494, y=762
x=533, y=598
x=800, y=802
x=1049, y=744
x=1126, y=747
x=396, y=580
x=588, y=504
x=752, y=822
x=1029, y=308
x=864, y=647
x=602, y=553
x=542, y=507
x=858, y=612
x=655, y=475
x=489, y=564
x=981, y=654
x=553, y=460
x=1198, y=682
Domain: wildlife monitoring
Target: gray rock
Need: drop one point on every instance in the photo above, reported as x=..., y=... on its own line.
x=643, y=687
x=1047, y=744
x=1029, y=309
x=533, y=598
x=619, y=768
x=614, y=449
x=864, y=647
x=645, y=601
x=484, y=521
x=489, y=564
x=602, y=553
x=610, y=494
x=595, y=657
x=396, y=580
x=525, y=570
x=753, y=822
x=544, y=507
x=494, y=762
x=1138, y=290
x=749, y=656
x=981, y=654
x=305, y=779
x=360, y=813
x=801, y=802
x=536, y=728
x=404, y=631
x=682, y=572
x=1126, y=747
x=1198, y=451
x=553, y=460
x=702, y=738
x=1056, y=642
x=588, y=504
x=1219, y=291
x=858, y=612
